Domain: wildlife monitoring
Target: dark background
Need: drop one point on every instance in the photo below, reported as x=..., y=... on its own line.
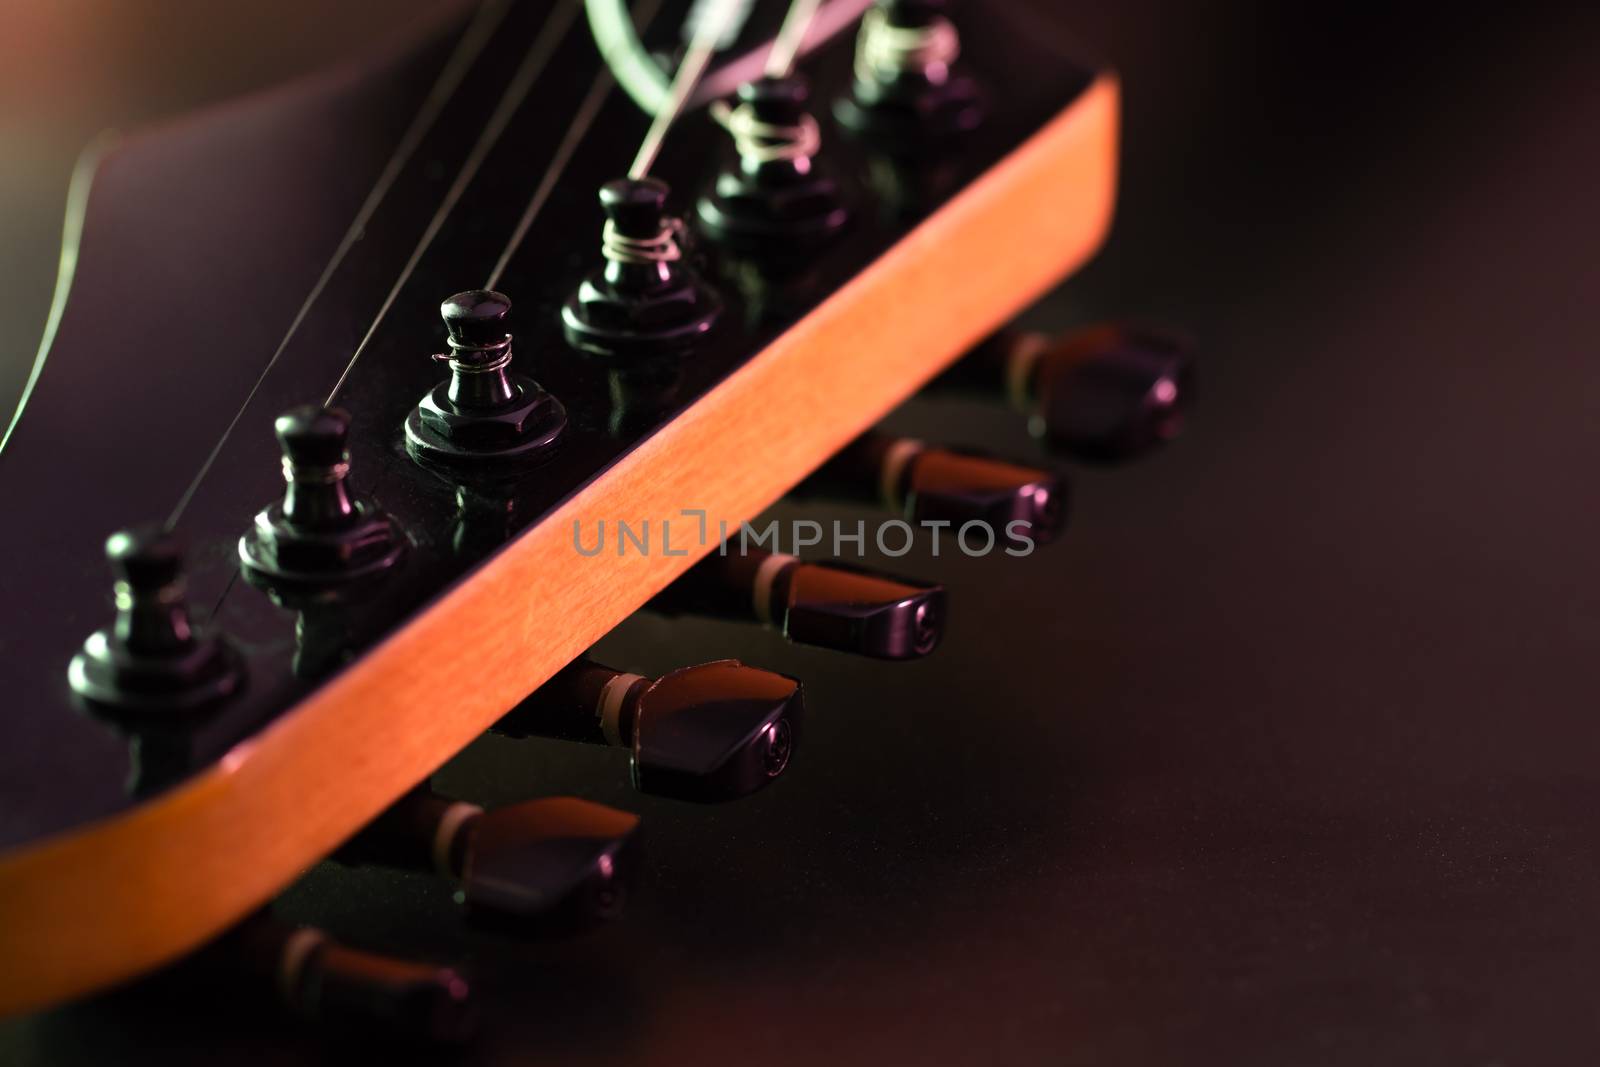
x=1286, y=755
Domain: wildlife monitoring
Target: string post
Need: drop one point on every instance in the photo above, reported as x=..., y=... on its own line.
x=908, y=88
x=476, y=328
x=775, y=201
x=152, y=667
x=484, y=420
x=645, y=300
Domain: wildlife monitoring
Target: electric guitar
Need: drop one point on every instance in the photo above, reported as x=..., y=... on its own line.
x=368, y=405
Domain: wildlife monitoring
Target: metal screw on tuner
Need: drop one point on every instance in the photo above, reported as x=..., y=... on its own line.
x=317, y=978
x=1105, y=393
x=713, y=732
x=484, y=419
x=645, y=301
x=907, y=89
x=776, y=201
x=929, y=485
x=318, y=537
x=555, y=861
x=830, y=605
x=153, y=665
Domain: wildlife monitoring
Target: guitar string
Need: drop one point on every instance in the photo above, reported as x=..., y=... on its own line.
x=543, y=47
x=758, y=141
x=831, y=19
x=707, y=34
x=791, y=37
x=644, y=12
x=780, y=61
x=461, y=60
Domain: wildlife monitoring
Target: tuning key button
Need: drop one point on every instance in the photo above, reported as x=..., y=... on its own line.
x=552, y=861
x=929, y=485
x=645, y=302
x=484, y=419
x=830, y=605
x=318, y=536
x=558, y=857
x=776, y=201
x=331, y=984
x=1105, y=393
x=713, y=732
x=908, y=88
x=153, y=665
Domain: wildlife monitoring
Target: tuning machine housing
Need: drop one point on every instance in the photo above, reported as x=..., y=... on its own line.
x=322, y=981
x=829, y=605
x=554, y=862
x=1103, y=393
x=926, y=484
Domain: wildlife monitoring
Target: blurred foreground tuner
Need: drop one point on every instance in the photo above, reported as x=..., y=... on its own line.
x=152, y=665
x=830, y=605
x=1104, y=393
x=319, y=979
x=713, y=732
x=929, y=485
x=556, y=861
x=484, y=420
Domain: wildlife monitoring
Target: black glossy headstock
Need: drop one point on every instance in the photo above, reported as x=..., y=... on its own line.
x=371, y=491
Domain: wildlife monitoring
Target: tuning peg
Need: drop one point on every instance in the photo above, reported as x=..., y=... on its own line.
x=555, y=860
x=318, y=537
x=645, y=301
x=777, y=201
x=484, y=420
x=712, y=732
x=943, y=487
x=1105, y=393
x=907, y=88
x=153, y=665
x=321, y=980
x=831, y=605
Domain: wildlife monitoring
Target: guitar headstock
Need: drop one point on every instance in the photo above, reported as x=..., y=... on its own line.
x=395, y=391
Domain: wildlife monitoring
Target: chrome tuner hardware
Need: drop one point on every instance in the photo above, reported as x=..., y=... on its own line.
x=152, y=666
x=1104, y=393
x=484, y=421
x=319, y=537
x=646, y=301
x=830, y=605
x=942, y=487
x=713, y=732
x=555, y=861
